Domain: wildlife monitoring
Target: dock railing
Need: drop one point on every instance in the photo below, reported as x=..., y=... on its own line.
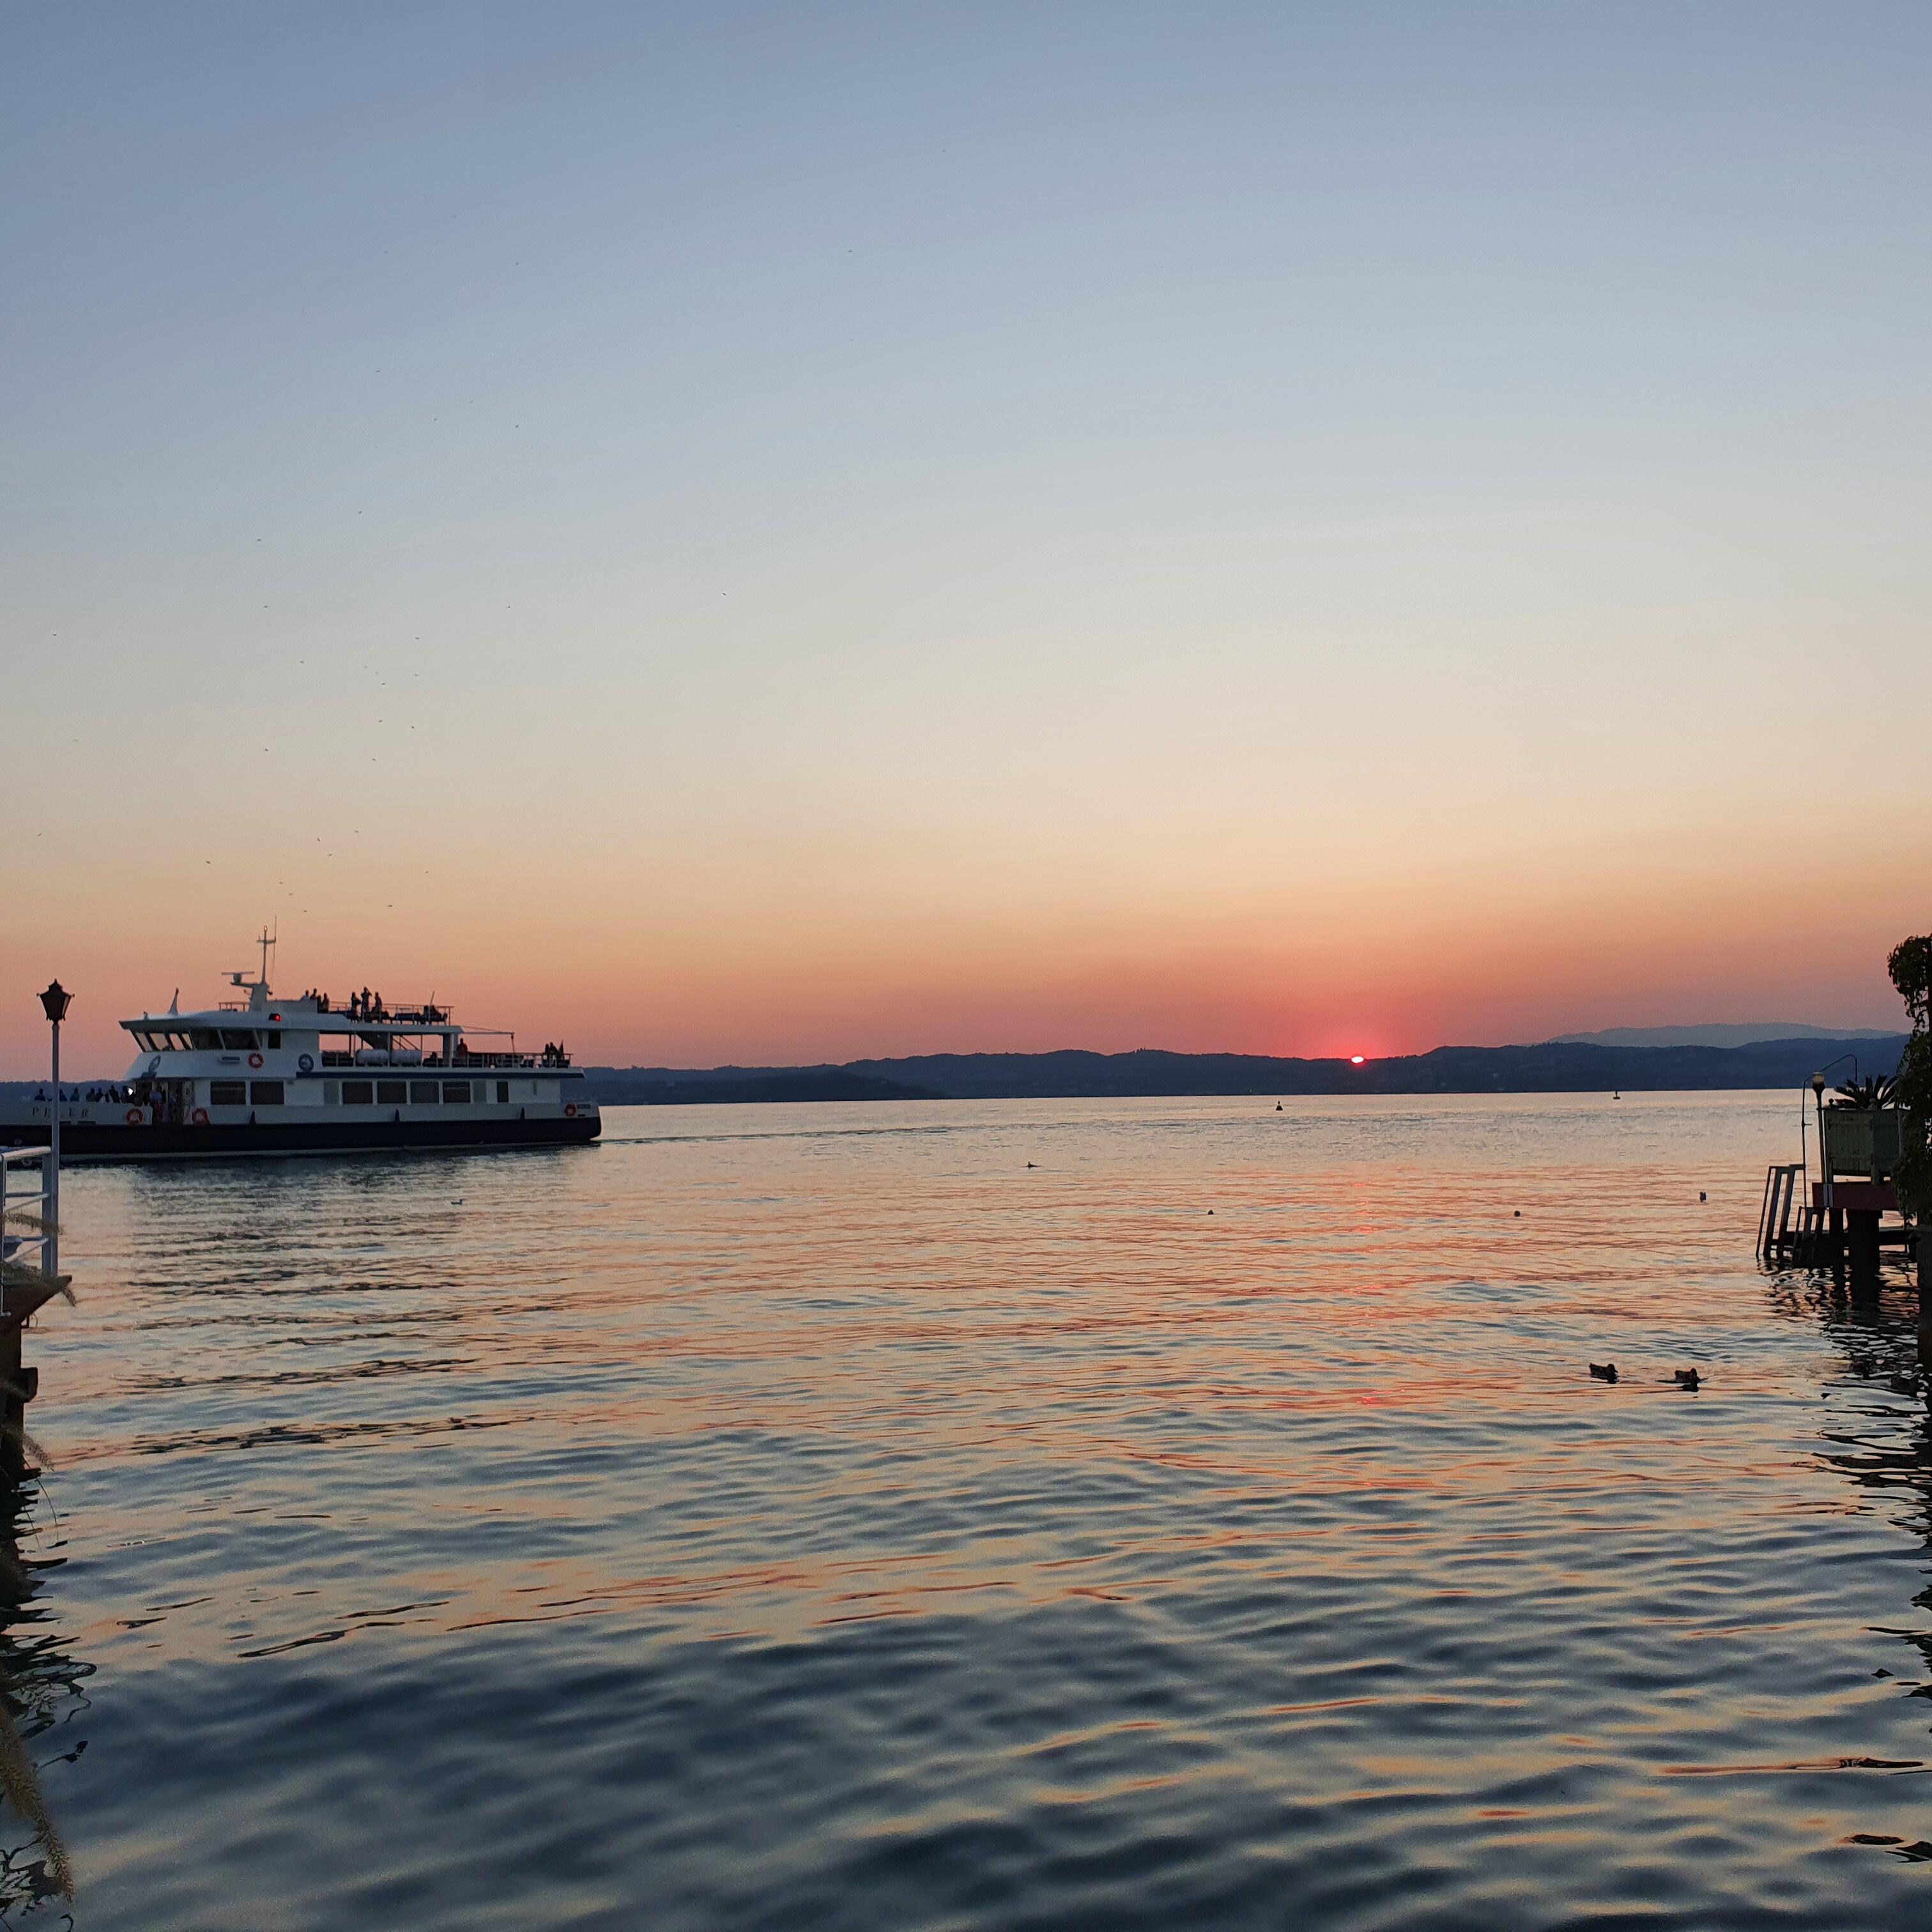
x=36, y=1211
x=1775, y=1233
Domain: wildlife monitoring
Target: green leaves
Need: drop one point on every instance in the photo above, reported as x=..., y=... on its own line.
x=1910, y=966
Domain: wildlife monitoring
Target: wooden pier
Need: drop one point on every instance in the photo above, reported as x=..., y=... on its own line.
x=1838, y=1220
x=25, y=1288
x=30, y=1276
x=1827, y=1223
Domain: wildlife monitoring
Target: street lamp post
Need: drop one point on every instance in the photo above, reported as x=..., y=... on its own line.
x=1824, y=1165
x=1824, y=1160
x=54, y=1003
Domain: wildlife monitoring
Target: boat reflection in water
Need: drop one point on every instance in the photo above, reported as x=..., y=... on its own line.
x=928, y=1513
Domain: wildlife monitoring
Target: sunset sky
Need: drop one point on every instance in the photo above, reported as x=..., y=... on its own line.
x=769, y=534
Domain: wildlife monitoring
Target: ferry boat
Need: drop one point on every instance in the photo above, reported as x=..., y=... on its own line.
x=265, y=1075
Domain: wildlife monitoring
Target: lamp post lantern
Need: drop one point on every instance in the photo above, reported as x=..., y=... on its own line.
x=54, y=1003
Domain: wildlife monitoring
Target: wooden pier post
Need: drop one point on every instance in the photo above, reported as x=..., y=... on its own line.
x=19, y=1385
x=1862, y=1242
x=13, y=1403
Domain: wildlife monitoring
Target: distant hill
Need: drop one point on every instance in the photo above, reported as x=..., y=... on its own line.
x=1727, y=1033
x=1555, y=1067
x=828, y=1083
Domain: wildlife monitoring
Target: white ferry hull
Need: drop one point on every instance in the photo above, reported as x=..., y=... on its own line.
x=306, y=1076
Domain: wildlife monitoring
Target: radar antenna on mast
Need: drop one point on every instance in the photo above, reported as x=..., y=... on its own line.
x=257, y=988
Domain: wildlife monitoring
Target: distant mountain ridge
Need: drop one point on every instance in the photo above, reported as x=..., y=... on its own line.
x=1729, y=1032
x=1554, y=1066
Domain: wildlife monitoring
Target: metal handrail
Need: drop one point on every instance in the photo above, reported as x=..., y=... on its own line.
x=11, y=1245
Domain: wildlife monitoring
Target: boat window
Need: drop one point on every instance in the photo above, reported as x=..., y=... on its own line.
x=234, y=1041
x=502, y=1091
x=423, y=1093
x=331, y=1092
x=358, y=1093
x=228, y=1092
x=265, y=1093
x=204, y=1039
x=272, y=1042
x=456, y=1093
x=392, y=1092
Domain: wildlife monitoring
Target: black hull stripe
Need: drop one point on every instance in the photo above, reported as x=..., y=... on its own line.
x=89, y=1141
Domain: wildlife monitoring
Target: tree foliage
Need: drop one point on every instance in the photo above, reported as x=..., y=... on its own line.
x=1911, y=968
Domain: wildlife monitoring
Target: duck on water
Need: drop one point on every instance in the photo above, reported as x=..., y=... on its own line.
x=261, y=1075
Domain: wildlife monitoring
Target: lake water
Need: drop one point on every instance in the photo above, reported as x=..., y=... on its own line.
x=994, y=1515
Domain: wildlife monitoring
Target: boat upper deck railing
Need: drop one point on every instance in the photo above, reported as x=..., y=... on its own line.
x=418, y=1012
x=497, y=1062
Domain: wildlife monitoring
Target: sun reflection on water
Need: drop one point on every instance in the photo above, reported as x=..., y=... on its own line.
x=772, y=1509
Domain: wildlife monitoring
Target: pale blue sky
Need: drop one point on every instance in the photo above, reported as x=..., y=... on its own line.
x=1078, y=483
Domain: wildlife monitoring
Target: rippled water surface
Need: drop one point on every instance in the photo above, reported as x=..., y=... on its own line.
x=981, y=1516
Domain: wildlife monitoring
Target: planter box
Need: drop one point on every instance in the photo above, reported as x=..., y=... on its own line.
x=1860, y=1141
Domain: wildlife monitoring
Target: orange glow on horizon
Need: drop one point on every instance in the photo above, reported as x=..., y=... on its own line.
x=699, y=952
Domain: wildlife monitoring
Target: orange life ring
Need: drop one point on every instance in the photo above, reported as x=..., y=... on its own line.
x=135, y=1117
x=199, y=1117
x=254, y=1060
x=570, y=1109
